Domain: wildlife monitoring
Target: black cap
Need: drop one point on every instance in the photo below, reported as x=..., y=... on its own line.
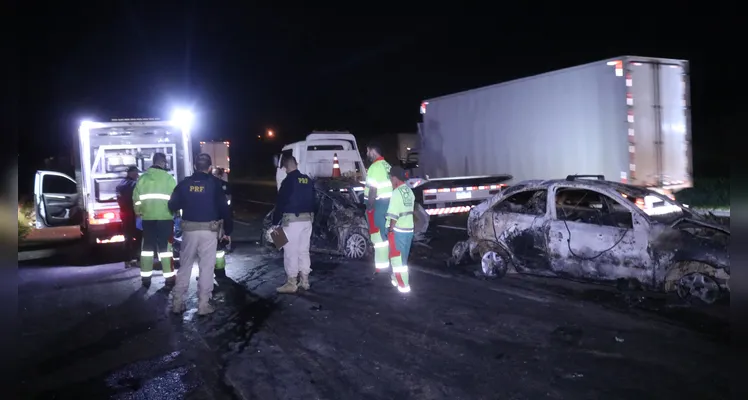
x=132, y=168
x=398, y=173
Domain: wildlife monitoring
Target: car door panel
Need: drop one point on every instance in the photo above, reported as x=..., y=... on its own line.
x=56, y=200
x=525, y=235
x=596, y=251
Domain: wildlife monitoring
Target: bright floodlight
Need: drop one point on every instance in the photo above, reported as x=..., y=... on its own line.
x=182, y=118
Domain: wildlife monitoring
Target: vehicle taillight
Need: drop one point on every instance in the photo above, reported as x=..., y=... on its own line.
x=104, y=217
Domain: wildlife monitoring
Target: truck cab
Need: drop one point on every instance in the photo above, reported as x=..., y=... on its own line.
x=315, y=156
x=105, y=151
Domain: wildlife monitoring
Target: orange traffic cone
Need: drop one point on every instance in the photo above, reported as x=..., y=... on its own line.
x=335, y=166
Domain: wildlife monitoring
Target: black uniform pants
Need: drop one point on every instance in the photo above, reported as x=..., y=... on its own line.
x=133, y=236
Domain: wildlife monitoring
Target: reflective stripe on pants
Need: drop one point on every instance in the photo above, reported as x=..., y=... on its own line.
x=378, y=233
x=156, y=234
x=400, y=243
x=220, y=259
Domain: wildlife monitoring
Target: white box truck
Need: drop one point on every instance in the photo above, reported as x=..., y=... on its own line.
x=627, y=118
x=219, y=154
x=103, y=152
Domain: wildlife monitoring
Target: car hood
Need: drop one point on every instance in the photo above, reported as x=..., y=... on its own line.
x=705, y=223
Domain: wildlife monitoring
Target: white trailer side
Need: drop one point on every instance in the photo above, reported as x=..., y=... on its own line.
x=627, y=118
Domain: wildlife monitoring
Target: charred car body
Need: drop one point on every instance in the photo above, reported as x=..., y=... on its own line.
x=339, y=225
x=597, y=230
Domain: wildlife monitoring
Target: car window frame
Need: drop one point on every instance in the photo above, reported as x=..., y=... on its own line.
x=554, y=213
x=509, y=195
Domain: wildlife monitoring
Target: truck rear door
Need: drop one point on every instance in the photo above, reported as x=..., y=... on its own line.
x=658, y=124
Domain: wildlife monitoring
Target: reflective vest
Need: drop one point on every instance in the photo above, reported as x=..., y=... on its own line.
x=152, y=193
x=401, y=209
x=378, y=176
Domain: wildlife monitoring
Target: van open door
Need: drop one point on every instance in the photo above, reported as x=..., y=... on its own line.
x=56, y=200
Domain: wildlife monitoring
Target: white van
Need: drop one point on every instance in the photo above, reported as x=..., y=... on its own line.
x=105, y=151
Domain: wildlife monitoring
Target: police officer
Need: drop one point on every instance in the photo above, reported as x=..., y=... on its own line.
x=127, y=215
x=377, y=193
x=295, y=211
x=151, y=196
x=400, y=228
x=203, y=206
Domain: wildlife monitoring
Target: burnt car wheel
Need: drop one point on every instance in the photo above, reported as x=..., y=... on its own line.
x=493, y=265
x=355, y=246
x=698, y=287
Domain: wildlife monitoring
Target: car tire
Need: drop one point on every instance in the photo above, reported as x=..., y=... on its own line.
x=356, y=245
x=494, y=264
x=697, y=288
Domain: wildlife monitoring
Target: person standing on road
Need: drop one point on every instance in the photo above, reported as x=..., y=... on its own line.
x=377, y=195
x=203, y=206
x=400, y=228
x=151, y=196
x=223, y=245
x=127, y=215
x=295, y=211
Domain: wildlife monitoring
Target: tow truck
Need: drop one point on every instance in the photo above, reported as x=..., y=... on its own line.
x=104, y=152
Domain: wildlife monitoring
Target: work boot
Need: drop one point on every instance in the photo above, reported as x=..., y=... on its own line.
x=170, y=282
x=304, y=284
x=204, y=307
x=220, y=274
x=289, y=287
x=146, y=281
x=177, y=305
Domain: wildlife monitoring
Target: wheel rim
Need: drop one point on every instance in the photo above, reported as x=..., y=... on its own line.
x=490, y=262
x=698, y=286
x=355, y=246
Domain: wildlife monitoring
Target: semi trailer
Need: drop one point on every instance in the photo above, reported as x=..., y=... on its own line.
x=626, y=118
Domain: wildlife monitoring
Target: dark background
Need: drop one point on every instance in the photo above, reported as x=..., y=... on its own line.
x=245, y=70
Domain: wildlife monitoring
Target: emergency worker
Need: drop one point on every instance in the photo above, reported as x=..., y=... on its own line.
x=127, y=215
x=203, y=206
x=295, y=211
x=377, y=195
x=151, y=196
x=400, y=228
x=223, y=245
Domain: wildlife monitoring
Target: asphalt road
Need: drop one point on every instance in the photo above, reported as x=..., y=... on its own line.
x=90, y=331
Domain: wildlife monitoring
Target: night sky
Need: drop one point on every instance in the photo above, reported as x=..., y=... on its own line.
x=245, y=70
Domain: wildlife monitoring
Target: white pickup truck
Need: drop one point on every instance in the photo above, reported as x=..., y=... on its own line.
x=315, y=156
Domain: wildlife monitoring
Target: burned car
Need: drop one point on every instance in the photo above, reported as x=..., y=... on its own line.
x=340, y=225
x=598, y=230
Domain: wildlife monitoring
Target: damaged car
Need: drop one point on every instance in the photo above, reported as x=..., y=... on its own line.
x=597, y=230
x=340, y=225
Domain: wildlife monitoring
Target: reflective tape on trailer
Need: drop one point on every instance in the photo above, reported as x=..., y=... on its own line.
x=465, y=189
x=448, y=210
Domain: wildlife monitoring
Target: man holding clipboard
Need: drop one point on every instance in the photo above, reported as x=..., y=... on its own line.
x=293, y=216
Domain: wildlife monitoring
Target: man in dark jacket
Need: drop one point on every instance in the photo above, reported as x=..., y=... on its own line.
x=203, y=205
x=294, y=210
x=127, y=215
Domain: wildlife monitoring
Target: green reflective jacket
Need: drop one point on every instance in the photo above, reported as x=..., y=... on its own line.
x=378, y=176
x=152, y=193
x=401, y=208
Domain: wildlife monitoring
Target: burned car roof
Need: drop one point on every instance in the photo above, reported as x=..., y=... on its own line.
x=623, y=189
